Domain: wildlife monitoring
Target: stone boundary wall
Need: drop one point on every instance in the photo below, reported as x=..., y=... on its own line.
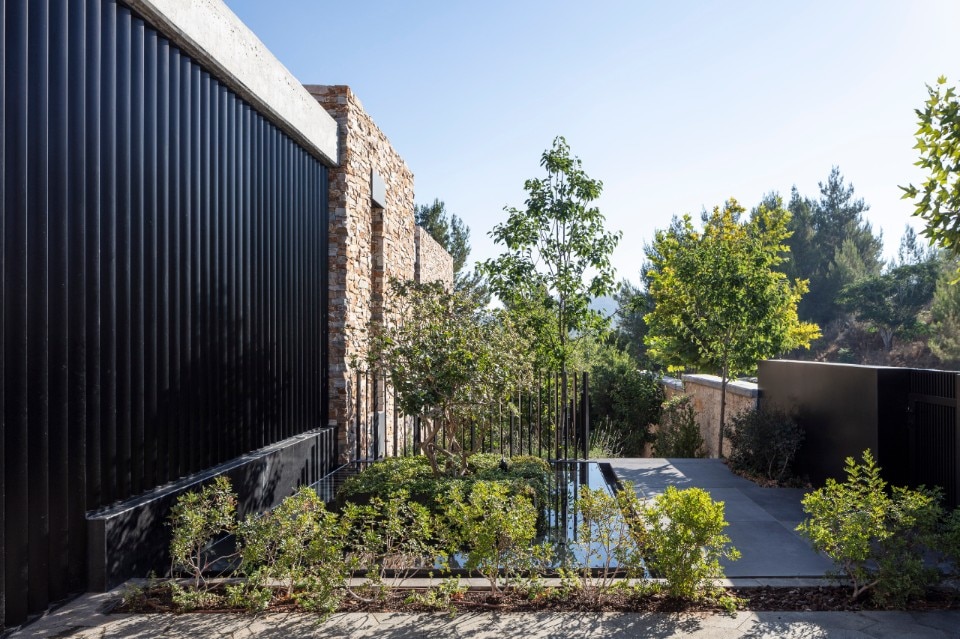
x=705, y=393
x=433, y=262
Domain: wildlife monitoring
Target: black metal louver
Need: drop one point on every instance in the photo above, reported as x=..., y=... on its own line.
x=163, y=255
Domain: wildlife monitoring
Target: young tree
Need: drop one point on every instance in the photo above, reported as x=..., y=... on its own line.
x=557, y=250
x=448, y=360
x=719, y=301
x=938, y=140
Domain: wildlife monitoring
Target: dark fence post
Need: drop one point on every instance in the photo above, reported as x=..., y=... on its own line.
x=585, y=412
x=395, y=424
x=416, y=433
x=376, y=420
x=557, y=416
x=357, y=434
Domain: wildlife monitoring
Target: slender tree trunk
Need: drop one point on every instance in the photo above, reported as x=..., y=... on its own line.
x=886, y=335
x=723, y=409
x=428, y=446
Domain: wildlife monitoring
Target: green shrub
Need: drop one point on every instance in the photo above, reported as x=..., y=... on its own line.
x=902, y=573
x=300, y=544
x=764, y=442
x=441, y=597
x=192, y=598
x=685, y=541
x=387, y=476
x=678, y=434
x=948, y=542
x=197, y=519
x=624, y=401
x=397, y=535
x=875, y=538
x=524, y=475
x=496, y=529
x=604, y=534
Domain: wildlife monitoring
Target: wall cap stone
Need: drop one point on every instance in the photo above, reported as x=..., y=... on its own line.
x=211, y=33
x=672, y=382
x=737, y=387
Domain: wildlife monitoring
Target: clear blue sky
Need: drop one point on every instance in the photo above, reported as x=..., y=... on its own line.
x=676, y=106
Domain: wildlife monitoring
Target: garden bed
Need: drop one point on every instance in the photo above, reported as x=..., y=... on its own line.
x=157, y=598
x=609, y=551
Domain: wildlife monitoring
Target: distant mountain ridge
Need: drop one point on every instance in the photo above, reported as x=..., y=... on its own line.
x=606, y=305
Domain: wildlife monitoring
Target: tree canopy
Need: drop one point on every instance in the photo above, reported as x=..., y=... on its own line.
x=557, y=251
x=892, y=301
x=938, y=141
x=945, y=315
x=450, y=232
x=831, y=246
x=720, y=303
x=449, y=360
x=453, y=235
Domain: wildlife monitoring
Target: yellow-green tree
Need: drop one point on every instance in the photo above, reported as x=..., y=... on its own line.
x=720, y=304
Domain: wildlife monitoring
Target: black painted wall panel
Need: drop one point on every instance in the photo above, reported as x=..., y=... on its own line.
x=163, y=262
x=3, y=202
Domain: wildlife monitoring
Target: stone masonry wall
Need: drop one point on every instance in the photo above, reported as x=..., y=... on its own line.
x=368, y=245
x=365, y=243
x=705, y=391
x=433, y=261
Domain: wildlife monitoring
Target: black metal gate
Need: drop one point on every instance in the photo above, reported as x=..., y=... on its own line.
x=934, y=447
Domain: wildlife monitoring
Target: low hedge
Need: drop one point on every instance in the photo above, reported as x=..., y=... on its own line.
x=523, y=475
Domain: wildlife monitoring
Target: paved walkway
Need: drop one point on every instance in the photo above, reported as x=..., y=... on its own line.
x=82, y=619
x=762, y=522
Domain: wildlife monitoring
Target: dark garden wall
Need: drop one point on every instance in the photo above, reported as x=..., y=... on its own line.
x=163, y=257
x=907, y=417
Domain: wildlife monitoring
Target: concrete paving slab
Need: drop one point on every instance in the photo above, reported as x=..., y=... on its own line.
x=738, y=506
x=546, y=625
x=782, y=503
x=768, y=549
x=709, y=473
x=762, y=521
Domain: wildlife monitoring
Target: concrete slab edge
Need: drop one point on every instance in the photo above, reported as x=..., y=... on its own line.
x=212, y=34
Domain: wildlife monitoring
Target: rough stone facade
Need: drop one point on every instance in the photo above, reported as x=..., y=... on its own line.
x=704, y=390
x=433, y=262
x=368, y=245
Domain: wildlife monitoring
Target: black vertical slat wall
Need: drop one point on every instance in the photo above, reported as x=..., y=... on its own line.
x=163, y=261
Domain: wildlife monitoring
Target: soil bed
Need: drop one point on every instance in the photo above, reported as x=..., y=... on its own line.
x=766, y=598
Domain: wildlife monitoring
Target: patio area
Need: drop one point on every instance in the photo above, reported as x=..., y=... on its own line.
x=763, y=521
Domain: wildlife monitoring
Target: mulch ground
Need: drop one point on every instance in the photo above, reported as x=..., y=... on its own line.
x=824, y=598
